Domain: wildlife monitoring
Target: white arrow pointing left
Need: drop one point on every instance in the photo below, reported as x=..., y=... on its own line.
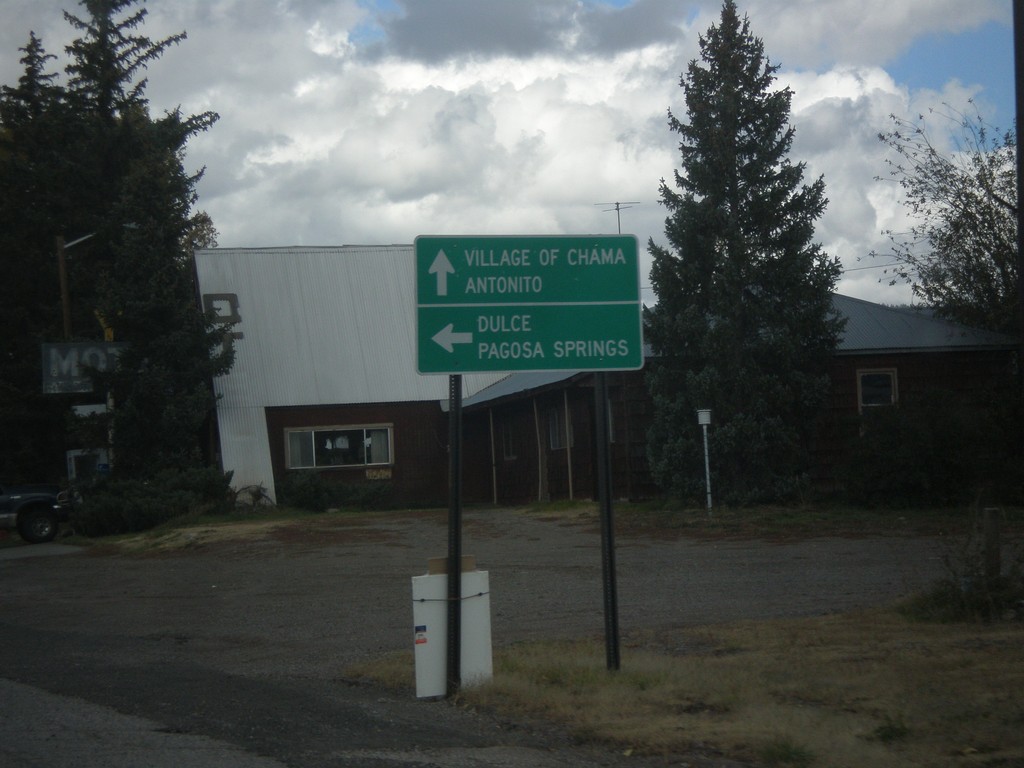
x=447, y=337
x=442, y=268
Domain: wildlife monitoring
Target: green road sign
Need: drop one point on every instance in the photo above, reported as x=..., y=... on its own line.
x=527, y=303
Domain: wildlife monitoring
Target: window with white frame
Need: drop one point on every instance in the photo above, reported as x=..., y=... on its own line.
x=317, y=447
x=876, y=388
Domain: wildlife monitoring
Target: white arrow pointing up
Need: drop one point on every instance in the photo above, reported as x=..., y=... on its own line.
x=448, y=338
x=442, y=268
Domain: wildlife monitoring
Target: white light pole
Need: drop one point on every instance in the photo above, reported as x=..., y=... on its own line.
x=704, y=419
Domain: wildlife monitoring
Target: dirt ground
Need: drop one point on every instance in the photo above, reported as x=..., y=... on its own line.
x=293, y=605
x=310, y=597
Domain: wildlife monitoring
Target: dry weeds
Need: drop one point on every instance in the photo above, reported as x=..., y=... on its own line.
x=871, y=688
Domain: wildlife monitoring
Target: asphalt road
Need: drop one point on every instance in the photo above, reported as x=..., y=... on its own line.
x=234, y=653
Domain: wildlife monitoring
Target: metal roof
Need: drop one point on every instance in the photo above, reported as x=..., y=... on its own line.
x=870, y=328
x=876, y=328
x=515, y=383
x=322, y=325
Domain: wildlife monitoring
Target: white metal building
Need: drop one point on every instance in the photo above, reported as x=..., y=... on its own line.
x=323, y=326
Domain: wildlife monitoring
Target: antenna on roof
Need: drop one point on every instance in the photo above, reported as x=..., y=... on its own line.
x=618, y=207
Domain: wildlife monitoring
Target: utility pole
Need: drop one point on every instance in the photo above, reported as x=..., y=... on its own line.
x=62, y=273
x=617, y=208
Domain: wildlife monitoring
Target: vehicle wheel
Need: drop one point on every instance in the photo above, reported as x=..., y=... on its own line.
x=37, y=527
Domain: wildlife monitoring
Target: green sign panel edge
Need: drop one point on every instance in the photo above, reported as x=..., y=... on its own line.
x=527, y=303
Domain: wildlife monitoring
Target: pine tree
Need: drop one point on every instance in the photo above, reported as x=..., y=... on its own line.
x=34, y=126
x=108, y=57
x=117, y=175
x=744, y=322
x=144, y=288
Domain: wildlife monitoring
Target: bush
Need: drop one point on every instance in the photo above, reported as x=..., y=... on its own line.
x=976, y=588
x=208, y=488
x=364, y=496
x=127, y=505
x=313, y=492
x=303, y=490
x=934, y=452
x=952, y=600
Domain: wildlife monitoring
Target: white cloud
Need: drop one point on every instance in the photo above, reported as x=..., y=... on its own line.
x=343, y=125
x=815, y=34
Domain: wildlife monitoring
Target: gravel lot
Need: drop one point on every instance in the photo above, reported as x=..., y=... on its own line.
x=298, y=603
x=311, y=598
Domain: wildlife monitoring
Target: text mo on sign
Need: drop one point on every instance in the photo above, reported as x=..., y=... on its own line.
x=527, y=303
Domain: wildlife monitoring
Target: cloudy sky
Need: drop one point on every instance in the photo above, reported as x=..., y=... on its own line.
x=373, y=121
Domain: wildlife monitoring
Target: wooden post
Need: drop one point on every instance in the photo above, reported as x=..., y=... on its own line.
x=65, y=294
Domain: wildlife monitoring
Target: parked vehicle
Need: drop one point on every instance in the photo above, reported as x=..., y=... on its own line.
x=36, y=511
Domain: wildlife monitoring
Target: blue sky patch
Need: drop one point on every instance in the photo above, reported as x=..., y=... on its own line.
x=982, y=56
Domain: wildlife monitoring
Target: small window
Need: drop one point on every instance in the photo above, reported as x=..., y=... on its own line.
x=300, y=449
x=876, y=388
x=508, y=446
x=558, y=438
x=338, y=447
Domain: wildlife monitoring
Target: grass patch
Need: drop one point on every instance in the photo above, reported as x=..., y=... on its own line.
x=243, y=524
x=657, y=519
x=893, y=729
x=785, y=753
x=663, y=519
x=871, y=688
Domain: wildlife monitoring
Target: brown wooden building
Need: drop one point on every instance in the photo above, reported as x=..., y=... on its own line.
x=400, y=447
x=891, y=355
x=325, y=382
x=530, y=436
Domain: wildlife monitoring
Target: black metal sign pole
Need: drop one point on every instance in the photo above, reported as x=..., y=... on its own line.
x=454, y=534
x=1018, y=70
x=604, y=486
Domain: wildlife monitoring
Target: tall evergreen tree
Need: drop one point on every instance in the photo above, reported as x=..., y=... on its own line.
x=744, y=322
x=121, y=182
x=33, y=180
